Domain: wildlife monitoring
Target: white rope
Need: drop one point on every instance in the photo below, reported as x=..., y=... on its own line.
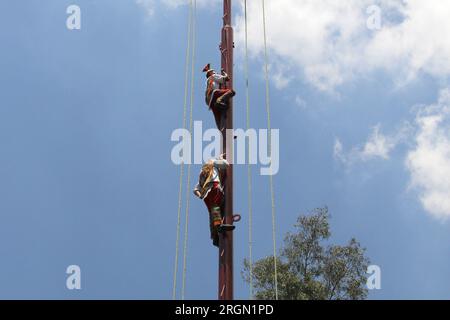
x=249, y=167
x=186, y=224
x=266, y=63
x=180, y=190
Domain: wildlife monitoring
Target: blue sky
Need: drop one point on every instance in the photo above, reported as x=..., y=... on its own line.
x=85, y=122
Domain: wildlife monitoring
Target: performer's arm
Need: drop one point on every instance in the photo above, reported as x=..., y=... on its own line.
x=225, y=75
x=221, y=79
x=197, y=191
x=221, y=163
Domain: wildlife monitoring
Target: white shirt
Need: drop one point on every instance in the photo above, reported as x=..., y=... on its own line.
x=218, y=165
x=217, y=80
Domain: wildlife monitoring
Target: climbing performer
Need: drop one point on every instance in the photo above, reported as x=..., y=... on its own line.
x=217, y=95
x=210, y=189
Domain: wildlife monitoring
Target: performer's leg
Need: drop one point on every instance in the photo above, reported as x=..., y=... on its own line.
x=213, y=202
x=215, y=218
x=217, y=116
x=225, y=95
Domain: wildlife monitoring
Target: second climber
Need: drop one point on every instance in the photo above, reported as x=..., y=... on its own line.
x=210, y=189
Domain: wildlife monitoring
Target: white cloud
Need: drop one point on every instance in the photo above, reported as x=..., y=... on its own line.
x=377, y=146
x=300, y=102
x=329, y=43
x=281, y=77
x=148, y=5
x=338, y=150
x=429, y=161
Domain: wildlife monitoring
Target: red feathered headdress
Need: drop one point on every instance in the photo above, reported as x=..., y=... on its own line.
x=208, y=69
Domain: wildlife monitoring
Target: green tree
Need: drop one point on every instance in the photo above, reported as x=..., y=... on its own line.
x=309, y=268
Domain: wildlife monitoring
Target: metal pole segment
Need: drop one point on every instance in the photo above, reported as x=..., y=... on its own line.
x=225, y=291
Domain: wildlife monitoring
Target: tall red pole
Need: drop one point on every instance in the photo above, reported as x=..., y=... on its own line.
x=226, y=239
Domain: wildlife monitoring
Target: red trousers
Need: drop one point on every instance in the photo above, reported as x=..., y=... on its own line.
x=213, y=202
x=218, y=111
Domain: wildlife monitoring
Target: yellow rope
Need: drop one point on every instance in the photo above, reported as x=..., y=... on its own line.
x=189, y=166
x=249, y=167
x=180, y=190
x=270, y=152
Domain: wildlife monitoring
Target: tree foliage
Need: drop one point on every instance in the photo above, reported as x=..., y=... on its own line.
x=309, y=268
